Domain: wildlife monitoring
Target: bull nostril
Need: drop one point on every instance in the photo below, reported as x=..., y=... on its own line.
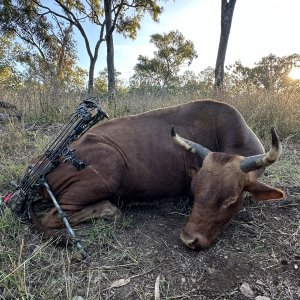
x=194, y=244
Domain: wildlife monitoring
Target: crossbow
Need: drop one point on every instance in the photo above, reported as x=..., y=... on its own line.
x=87, y=114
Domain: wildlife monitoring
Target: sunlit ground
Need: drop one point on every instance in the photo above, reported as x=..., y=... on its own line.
x=295, y=73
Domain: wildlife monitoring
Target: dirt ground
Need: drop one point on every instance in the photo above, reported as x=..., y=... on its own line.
x=259, y=247
x=142, y=257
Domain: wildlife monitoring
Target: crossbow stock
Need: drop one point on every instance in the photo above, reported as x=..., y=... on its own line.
x=87, y=114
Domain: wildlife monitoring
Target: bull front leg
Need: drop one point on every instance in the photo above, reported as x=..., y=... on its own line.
x=102, y=209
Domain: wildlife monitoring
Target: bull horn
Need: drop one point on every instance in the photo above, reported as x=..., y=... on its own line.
x=255, y=162
x=189, y=145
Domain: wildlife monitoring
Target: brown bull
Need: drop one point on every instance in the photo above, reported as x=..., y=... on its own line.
x=135, y=157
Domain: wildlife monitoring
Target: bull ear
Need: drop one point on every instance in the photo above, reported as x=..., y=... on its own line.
x=262, y=191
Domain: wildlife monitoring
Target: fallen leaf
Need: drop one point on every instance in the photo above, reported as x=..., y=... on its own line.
x=246, y=290
x=119, y=282
x=262, y=298
x=156, y=288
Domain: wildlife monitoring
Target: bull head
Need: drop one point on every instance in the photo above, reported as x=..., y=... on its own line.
x=218, y=188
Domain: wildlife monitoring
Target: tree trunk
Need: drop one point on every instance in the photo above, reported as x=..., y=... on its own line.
x=62, y=53
x=57, y=78
x=91, y=75
x=226, y=18
x=110, y=51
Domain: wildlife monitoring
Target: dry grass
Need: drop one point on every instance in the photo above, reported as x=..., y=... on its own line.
x=261, y=110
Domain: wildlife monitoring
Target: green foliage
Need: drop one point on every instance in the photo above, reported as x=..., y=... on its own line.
x=271, y=73
x=200, y=85
x=128, y=22
x=9, y=76
x=173, y=52
x=46, y=31
x=101, y=83
x=125, y=16
x=49, y=42
x=47, y=55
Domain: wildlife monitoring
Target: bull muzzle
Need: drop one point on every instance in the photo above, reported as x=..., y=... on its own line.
x=195, y=241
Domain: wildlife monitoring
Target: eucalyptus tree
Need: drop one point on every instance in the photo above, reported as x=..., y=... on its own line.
x=105, y=16
x=270, y=73
x=10, y=80
x=173, y=52
x=101, y=83
x=49, y=42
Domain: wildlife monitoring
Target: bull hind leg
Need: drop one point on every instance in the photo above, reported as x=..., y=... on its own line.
x=102, y=209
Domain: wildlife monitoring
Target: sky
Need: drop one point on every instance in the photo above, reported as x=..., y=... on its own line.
x=259, y=27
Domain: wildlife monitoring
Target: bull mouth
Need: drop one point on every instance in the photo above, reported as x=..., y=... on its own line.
x=196, y=242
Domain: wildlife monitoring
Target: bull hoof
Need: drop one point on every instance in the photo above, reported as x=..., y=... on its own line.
x=113, y=214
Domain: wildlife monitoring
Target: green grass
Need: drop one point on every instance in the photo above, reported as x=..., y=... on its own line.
x=102, y=231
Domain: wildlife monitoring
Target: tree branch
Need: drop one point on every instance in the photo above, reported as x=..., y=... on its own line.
x=115, y=19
